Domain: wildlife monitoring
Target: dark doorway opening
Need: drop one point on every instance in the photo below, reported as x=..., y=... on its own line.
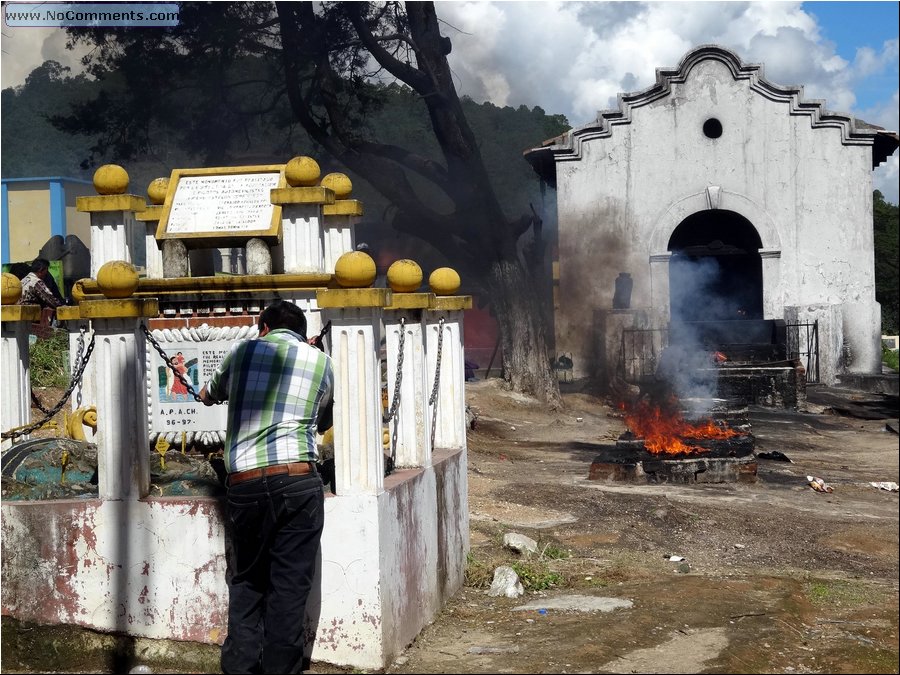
x=715, y=273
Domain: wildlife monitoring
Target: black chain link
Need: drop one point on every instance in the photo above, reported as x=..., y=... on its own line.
x=395, y=403
x=75, y=366
x=168, y=361
x=37, y=403
x=81, y=364
x=437, y=370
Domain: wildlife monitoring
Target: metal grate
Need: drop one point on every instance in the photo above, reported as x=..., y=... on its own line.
x=641, y=348
x=803, y=344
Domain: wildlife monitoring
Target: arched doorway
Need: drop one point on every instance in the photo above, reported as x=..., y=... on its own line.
x=715, y=272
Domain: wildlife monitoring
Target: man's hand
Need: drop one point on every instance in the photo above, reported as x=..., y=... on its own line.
x=206, y=398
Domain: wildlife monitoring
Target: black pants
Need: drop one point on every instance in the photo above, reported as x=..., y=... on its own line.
x=276, y=529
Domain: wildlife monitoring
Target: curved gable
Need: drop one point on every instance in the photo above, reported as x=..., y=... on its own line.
x=568, y=147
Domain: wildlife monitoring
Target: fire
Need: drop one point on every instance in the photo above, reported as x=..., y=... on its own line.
x=665, y=431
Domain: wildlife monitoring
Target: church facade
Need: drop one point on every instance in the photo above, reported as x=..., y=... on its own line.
x=717, y=196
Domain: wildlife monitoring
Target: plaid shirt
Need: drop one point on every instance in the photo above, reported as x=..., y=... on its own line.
x=36, y=292
x=278, y=388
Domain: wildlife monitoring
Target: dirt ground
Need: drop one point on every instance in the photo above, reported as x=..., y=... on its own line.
x=776, y=578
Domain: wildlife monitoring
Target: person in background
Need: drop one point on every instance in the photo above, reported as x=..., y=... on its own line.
x=36, y=286
x=36, y=290
x=279, y=390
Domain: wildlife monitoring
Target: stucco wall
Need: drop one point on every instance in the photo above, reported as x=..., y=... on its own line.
x=29, y=219
x=77, y=222
x=806, y=192
x=156, y=568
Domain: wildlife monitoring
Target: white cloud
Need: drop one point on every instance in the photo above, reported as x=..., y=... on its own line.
x=574, y=58
x=24, y=49
x=887, y=179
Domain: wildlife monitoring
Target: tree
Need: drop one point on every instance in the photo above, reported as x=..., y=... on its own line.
x=237, y=61
x=25, y=115
x=887, y=276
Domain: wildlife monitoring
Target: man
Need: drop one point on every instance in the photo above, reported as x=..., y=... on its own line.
x=35, y=286
x=279, y=392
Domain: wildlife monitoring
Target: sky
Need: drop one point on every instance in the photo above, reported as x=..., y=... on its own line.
x=573, y=58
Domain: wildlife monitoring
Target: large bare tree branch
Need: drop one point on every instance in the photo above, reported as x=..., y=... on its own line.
x=419, y=81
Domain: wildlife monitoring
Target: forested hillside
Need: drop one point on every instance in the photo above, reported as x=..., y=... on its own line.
x=33, y=145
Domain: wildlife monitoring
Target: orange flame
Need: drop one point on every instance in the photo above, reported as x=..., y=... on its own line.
x=665, y=431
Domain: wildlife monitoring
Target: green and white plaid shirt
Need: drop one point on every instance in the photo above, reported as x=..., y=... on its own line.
x=278, y=388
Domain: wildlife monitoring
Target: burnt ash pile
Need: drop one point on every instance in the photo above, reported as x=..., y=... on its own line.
x=702, y=441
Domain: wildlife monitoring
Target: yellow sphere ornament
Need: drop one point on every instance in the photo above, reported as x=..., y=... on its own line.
x=117, y=279
x=444, y=281
x=110, y=179
x=157, y=189
x=11, y=291
x=404, y=276
x=355, y=270
x=339, y=183
x=302, y=172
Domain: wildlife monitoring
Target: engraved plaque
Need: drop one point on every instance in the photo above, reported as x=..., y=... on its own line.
x=221, y=206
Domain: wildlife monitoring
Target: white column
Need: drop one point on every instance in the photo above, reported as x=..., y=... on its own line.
x=16, y=380
x=301, y=243
x=112, y=238
x=448, y=412
x=123, y=448
x=773, y=295
x=410, y=427
x=358, y=449
x=659, y=287
x=339, y=236
x=154, y=264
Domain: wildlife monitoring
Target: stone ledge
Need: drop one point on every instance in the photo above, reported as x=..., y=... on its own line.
x=12, y=313
x=451, y=303
x=110, y=203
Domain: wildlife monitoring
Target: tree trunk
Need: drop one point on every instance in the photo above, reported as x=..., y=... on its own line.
x=516, y=305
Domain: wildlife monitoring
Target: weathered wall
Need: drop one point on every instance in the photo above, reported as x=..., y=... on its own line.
x=156, y=568
x=622, y=191
x=29, y=219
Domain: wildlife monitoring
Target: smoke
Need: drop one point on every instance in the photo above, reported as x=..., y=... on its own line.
x=699, y=291
x=686, y=367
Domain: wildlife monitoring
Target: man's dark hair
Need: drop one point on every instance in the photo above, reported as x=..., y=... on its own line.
x=39, y=264
x=283, y=314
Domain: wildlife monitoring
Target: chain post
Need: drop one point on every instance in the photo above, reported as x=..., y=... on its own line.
x=395, y=403
x=437, y=370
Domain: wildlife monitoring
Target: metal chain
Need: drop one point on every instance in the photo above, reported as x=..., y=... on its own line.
x=437, y=370
x=165, y=357
x=37, y=403
x=50, y=414
x=75, y=367
x=395, y=403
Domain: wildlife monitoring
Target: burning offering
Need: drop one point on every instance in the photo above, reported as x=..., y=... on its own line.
x=694, y=441
x=664, y=430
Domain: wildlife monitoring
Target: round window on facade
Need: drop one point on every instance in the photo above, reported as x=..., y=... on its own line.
x=712, y=128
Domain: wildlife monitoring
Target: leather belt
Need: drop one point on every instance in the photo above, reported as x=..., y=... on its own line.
x=292, y=469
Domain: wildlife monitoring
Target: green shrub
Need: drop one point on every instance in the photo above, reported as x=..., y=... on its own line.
x=536, y=576
x=50, y=361
x=890, y=357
